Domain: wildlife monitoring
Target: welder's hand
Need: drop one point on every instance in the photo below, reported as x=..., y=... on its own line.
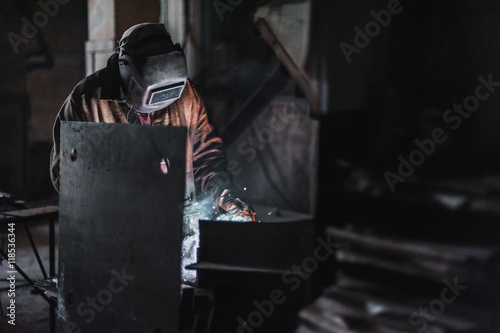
x=235, y=206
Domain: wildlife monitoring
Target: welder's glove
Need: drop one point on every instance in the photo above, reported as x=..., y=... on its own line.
x=230, y=204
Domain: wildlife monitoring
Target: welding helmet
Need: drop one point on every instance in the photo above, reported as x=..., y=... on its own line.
x=153, y=70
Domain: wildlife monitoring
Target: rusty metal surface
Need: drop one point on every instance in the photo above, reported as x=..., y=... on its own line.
x=120, y=227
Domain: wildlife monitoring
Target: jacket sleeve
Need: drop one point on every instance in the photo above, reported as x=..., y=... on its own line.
x=209, y=158
x=210, y=168
x=71, y=110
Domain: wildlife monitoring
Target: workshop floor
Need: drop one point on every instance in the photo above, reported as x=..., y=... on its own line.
x=32, y=311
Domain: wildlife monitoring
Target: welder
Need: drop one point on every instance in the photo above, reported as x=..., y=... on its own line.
x=146, y=82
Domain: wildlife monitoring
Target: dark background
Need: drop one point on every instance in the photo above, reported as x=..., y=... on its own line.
x=393, y=92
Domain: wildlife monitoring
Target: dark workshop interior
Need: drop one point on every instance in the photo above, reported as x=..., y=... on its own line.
x=365, y=135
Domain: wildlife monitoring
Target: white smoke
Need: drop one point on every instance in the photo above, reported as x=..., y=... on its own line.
x=233, y=218
x=194, y=211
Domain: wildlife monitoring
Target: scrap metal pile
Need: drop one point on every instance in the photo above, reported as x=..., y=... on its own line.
x=423, y=260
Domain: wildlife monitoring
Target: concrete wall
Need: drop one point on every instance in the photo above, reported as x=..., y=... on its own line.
x=108, y=20
x=40, y=62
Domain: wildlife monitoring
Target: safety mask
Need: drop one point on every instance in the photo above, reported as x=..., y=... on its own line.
x=153, y=82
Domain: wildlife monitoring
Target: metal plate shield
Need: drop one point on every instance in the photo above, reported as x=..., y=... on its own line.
x=120, y=227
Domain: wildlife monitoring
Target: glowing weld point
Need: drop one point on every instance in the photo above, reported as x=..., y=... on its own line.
x=269, y=213
x=244, y=188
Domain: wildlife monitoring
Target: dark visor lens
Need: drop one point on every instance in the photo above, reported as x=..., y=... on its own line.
x=166, y=93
